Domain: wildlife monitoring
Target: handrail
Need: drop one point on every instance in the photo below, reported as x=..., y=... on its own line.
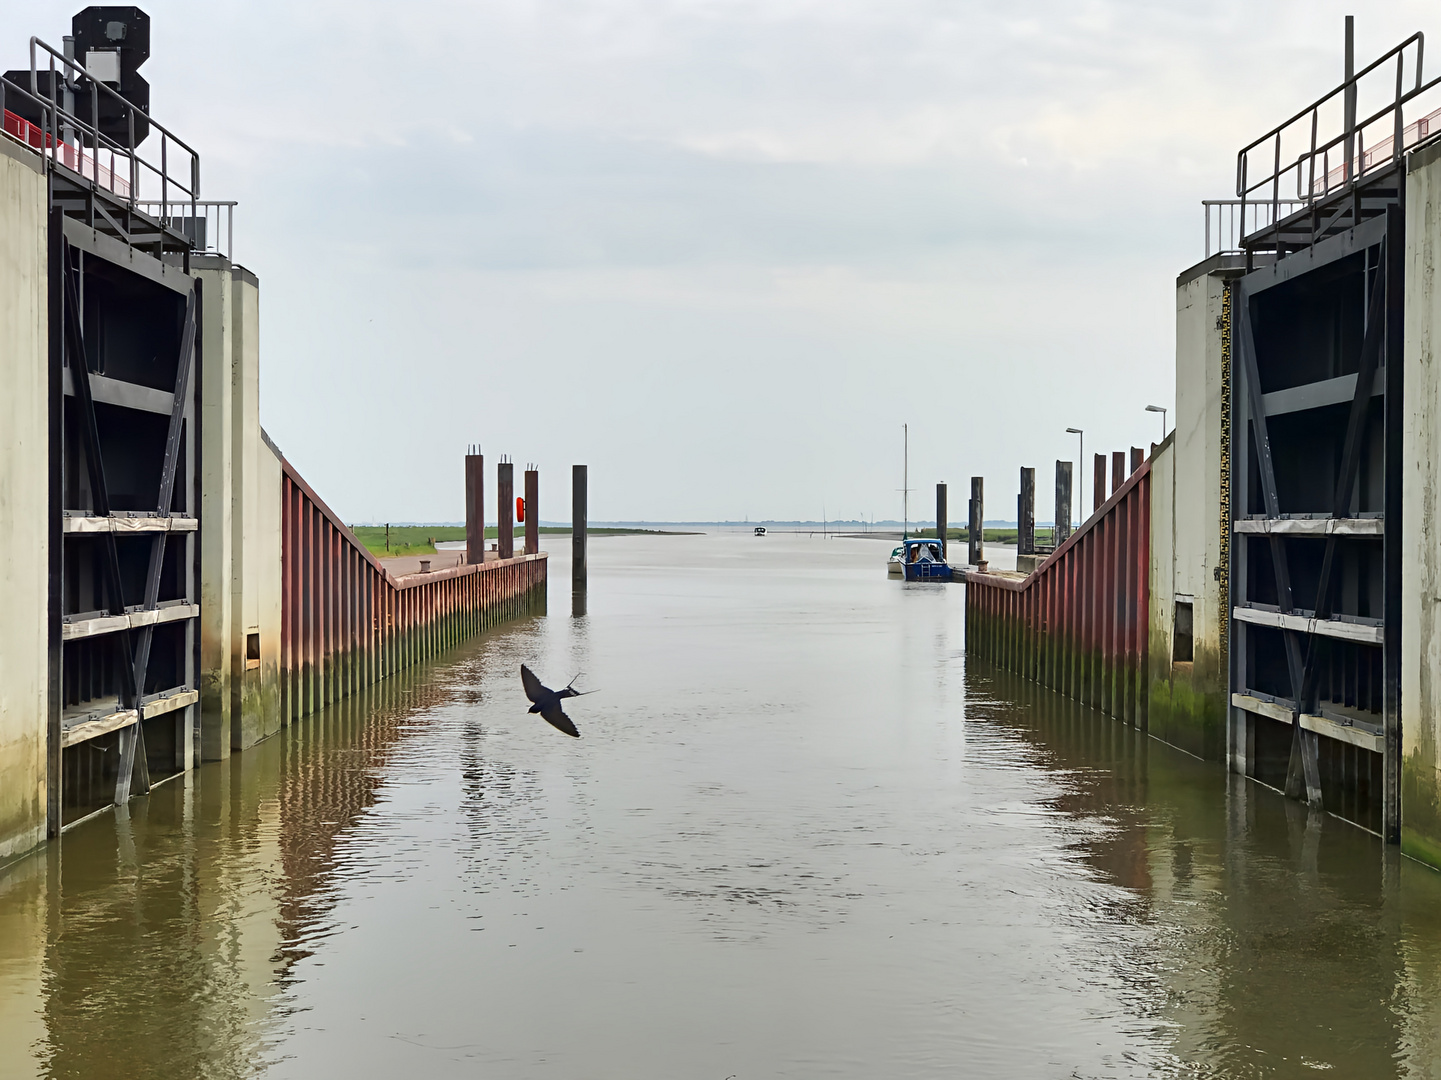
x=59, y=126
x=202, y=208
x=1356, y=161
x=1310, y=110
x=1230, y=225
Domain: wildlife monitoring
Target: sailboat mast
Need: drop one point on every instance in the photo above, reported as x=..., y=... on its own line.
x=905, y=481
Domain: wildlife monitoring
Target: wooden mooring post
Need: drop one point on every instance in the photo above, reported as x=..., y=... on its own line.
x=1026, y=514
x=1062, y=527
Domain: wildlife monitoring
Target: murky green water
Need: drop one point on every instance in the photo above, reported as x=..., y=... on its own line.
x=799, y=838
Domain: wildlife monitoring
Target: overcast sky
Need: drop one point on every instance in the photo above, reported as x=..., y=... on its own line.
x=720, y=251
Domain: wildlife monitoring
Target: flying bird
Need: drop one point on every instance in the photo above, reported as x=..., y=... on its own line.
x=547, y=701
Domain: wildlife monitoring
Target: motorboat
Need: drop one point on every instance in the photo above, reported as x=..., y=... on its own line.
x=921, y=560
x=760, y=530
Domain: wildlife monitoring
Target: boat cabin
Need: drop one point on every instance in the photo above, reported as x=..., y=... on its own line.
x=921, y=560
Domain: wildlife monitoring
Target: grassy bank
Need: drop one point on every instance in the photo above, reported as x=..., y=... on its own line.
x=989, y=536
x=421, y=539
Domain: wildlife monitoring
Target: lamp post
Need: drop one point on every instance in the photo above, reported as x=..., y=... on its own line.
x=1157, y=408
x=1080, y=469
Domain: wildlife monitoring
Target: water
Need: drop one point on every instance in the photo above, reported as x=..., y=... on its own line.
x=799, y=838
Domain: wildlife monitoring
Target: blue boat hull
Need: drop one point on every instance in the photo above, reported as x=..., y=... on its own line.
x=928, y=571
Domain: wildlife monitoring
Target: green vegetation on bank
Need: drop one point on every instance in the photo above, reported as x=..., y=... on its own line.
x=989, y=536
x=421, y=539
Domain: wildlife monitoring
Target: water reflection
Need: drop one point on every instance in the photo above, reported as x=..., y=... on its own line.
x=800, y=836
x=1291, y=941
x=158, y=940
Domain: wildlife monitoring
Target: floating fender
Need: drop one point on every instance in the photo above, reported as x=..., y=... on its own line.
x=519, y=509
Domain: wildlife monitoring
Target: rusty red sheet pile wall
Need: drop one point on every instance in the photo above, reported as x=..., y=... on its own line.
x=1078, y=624
x=347, y=622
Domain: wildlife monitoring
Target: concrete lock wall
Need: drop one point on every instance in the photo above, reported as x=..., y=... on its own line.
x=255, y=532
x=268, y=583
x=240, y=521
x=24, y=499
x=1420, y=530
x=1188, y=698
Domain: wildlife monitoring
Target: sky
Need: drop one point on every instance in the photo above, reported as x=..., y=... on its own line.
x=720, y=251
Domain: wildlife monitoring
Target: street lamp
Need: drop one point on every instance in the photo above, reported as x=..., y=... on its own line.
x=1080, y=468
x=1157, y=408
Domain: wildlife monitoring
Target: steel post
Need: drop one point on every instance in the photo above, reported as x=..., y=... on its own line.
x=579, y=524
x=474, y=509
x=942, y=524
x=532, y=512
x=505, y=519
x=975, y=526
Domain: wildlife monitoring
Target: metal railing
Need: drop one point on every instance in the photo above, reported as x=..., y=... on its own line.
x=211, y=221
x=78, y=144
x=1298, y=154
x=1228, y=220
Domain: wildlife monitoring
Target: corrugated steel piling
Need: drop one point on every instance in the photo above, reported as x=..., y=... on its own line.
x=1078, y=624
x=1098, y=483
x=348, y=622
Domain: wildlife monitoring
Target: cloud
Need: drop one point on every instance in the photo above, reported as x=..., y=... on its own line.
x=720, y=249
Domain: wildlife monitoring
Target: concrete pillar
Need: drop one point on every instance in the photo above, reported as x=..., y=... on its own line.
x=1189, y=533
x=532, y=512
x=505, y=519
x=1098, y=483
x=579, y=522
x=1063, y=503
x=217, y=531
x=942, y=525
x=1026, y=514
x=25, y=513
x=975, y=526
x=1420, y=528
x=474, y=508
x=1118, y=470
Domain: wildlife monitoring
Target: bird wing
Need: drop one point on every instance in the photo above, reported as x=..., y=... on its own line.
x=557, y=719
x=533, y=689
